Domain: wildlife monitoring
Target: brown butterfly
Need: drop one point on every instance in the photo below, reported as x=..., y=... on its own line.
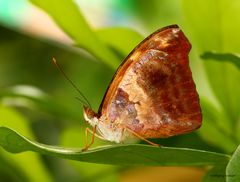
x=152, y=94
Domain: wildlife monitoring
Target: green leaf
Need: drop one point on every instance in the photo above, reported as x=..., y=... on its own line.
x=122, y=39
x=233, y=167
x=117, y=155
x=229, y=57
x=68, y=17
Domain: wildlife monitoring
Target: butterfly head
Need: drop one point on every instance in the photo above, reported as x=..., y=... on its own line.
x=90, y=116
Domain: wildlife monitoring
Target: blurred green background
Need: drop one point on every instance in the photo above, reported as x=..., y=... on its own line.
x=36, y=101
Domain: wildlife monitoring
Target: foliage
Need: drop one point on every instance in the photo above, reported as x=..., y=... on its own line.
x=121, y=154
x=36, y=104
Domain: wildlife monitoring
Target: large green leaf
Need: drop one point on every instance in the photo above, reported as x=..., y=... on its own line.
x=233, y=167
x=117, y=155
x=68, y=16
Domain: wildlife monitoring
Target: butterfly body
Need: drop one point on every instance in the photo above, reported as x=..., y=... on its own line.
x=152, y=93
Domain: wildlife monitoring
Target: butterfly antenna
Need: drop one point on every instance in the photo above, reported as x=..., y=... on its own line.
x=84, y=101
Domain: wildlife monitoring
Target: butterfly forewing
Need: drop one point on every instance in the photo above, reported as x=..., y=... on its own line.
x=153, y=92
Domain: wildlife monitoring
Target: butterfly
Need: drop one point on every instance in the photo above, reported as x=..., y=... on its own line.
x=152, y=93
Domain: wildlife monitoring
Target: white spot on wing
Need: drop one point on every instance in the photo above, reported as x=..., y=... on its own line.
x=175, y=32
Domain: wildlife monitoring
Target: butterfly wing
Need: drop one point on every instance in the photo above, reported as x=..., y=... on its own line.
x=152, y=92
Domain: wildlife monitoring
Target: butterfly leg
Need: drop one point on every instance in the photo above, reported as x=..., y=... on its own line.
x=141, y=137
x=92, y=140
x=96, y=135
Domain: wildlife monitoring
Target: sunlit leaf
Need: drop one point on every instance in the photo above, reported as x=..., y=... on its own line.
x=68, y=16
